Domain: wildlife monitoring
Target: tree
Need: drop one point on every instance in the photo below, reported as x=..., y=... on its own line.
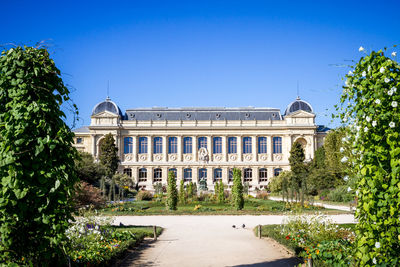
x=332, y=146
x=182, y=193
x=123, y=182
x=221, y=193
x=109, y=159
x=237, y=189
x=172, y=192
x=88, y=170
x=37, y=169
x=298, y=169
x=190, y=190
x=319, y=178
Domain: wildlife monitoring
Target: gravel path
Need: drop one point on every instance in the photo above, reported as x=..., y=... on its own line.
x=327, y=206
x=211, y=241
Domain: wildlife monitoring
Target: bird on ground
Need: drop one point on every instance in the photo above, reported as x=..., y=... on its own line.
x=243, y=226
x=121, y=224
x=233, y=226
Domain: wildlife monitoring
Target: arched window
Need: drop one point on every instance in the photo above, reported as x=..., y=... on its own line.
x=202, y=174
x=217, y=145
x=262, y=145
x=230, y=176
x=128, y=171
x=157, y=175
x=142, y=145
x=232, y=149
x=173, y=170
x=128, y=144
x=172, y=145
x=157, y=145
x=262, y=174
x=217, y=175
x=248, y=175
x=277, y=142
x=187, y=145
x=246, y=145
x=202, y=142
x=142, y=175
x=187, y=175
x=277, y=171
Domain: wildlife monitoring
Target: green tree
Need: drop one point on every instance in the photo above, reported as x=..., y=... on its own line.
x=124, y=182
x=298, y=169
x=221, y=195
x=237, y=189
x=88, y=170
x=172, y=192
x=37, y=169
x=190, y=190
x=182, y=193
x=319, y=178
x=332, y=145
x=110, y=160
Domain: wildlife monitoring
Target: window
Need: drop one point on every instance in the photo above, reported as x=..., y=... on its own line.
x=217, y=175
x=142, y=175
x=248, y=175
x=277, y=171
x=246, y=145
x=262, y=145
x=142, y=145
x=277, y=141
x=232, y=145
x=203, y=174
x=128, y=171
x=187, y=145
x=172, y=170
x=187, y=175
x=79, y=140
x=128, y=144
x=157, y=145
x=262, y=174
x=157, y=175
x=230, y=176
x=217, y=145
x=202, y=142
x=172, y=145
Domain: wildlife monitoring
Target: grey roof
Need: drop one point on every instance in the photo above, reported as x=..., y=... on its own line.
x=322, y=129
x=83, y=129
x=106, y=105
x=248, y=113
x=298, y=104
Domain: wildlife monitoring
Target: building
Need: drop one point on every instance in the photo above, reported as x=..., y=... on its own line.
x=202, y=143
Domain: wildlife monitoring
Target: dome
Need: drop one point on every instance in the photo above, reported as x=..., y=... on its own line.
x=298, y=104
x=107, y=105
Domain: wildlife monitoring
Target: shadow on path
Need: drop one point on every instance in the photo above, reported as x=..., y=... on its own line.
x=277, y=263
x=134, y=254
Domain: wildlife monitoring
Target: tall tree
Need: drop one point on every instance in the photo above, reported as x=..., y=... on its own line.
x=298, y=169
x=237, y=189
x=333, y=144
x=88, y=170
x=109, y=158
x=172, y=192
x=37, y=169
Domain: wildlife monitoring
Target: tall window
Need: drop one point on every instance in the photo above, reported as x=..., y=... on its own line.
x=217, y=175
x=217, y=145
x=202, y=142
x=277, y=141
x=187, y=175
x=142, y=145
x=128, y=144
x=187, y=145
x=174, y=171
x=79, y=140
x=262, y=174
x=157, y=145
x=172, y=145
x=248, y=175
x=157, y=175
x=142, y=175
x=232, y=149
x=202, y=174
x=246, y=145
x=230, y=176
x=128, y=171
x=262, y=145
x=277, y=171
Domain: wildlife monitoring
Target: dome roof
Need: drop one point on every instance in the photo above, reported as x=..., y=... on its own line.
x=298, y=104
x=107, y=105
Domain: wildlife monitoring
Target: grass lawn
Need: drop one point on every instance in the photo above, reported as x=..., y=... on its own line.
x=252, y=207
x=146, y=231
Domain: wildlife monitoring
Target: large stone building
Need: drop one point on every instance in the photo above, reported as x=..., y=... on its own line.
x=202, y=143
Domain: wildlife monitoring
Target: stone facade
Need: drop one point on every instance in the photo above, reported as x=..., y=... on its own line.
x=153, y=141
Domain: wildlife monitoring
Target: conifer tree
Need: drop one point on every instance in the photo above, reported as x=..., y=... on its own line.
x=298, y=169
x=182, y=193
x=172, y=192
x=237, y=189
x=221, y=195
x=109, y=159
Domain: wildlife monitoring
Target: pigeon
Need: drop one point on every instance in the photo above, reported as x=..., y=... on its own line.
x=243, y=226
x=121, y=224
x=233, y=226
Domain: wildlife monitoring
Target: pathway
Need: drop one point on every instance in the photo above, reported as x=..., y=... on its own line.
x=327, y=206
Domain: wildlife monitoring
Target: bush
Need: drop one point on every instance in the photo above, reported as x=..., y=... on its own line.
x=204, y=196
x=172, y=192
x=262, y=195
x=340, y=194
x=144, y=195
x=87, y=194
x=237, y=190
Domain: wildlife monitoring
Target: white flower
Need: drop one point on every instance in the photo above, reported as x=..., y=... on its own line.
x=366, y=129
x=361, y=49
x=382, y=70
x=390, y=92
x=344, y=139
x=377, y=244
x=394, y=104
x=394, y=54
x=346, y=82
x=350, y=72
x=346, y=178
x=369, y=68
x=394, y=89
x=341, y=149
x=374, y=123
x=368, y=119
x=364, y=73
x=344, y=159
x=357, y=192
x=378, y=101
x=374, y=260
x=387, y=80
x=348, y=189
x=392, y=124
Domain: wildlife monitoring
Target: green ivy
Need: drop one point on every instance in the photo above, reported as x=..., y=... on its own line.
x=36, y=158
x=370, y=107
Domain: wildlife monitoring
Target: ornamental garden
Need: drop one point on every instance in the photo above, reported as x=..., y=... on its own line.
x=57, y=205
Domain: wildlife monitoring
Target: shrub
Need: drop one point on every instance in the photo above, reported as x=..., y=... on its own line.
x=205, y=196
x=237, y=189
x=87, y=194
x=172, y=192
x=262, y=195
x=182, y=193
x=340, y=194
x=144, y=195
x=275, y=184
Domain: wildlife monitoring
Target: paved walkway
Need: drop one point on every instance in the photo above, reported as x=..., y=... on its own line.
x=327, y=206
x=211, y=241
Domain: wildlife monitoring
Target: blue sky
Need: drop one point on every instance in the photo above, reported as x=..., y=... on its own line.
x=203, y=53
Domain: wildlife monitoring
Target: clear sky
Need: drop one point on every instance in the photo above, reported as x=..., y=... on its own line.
x=203, y=53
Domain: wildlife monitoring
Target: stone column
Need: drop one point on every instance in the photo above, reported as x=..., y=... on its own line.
x=134, y=148
x=225, y=175
x=195, y=175
x=179, y=147
x=270, y=147
x=224, y=149
x=150, y=178
x=210, y=147
x=135, y=174
x=254, y=147
x=150, y=148
x=255, y=180
x=210, y=177
x=164, y=175
x=165, y=148
x=94, y=146
x=179, y=176
x=194, y=148
x=239, y=147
